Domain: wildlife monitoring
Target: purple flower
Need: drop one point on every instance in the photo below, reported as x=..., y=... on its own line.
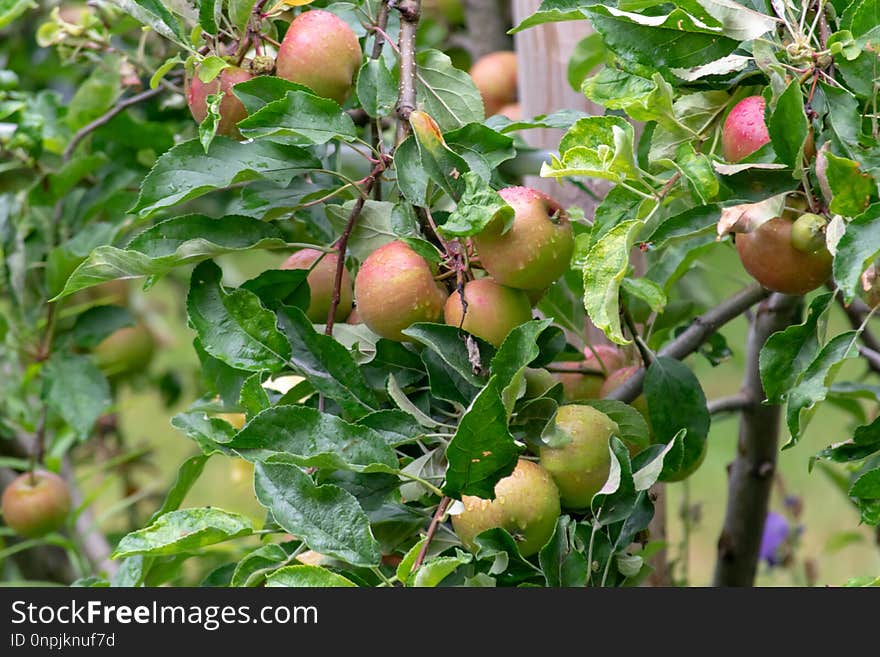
x=775, y=534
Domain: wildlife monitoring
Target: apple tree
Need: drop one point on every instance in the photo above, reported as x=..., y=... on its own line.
x=413, y=382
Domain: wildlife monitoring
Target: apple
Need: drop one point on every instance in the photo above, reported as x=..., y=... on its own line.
x=581, y=466
x=538, y=381
x=536, y=249
x=35, y=504
x=578, y=385
x=493, y=310
x=770, y=256
x=231, y=108
x=526, y=504
x=394, y=288
x=513, y=111
x=692, y=468
x=744, y=130
x=127, y=350
x=321, y=282
x=494, y=76
x=321, y=52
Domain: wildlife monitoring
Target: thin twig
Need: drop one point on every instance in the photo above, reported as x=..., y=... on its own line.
x=432, y=529
x=731, y=404
x=695, y=335
x=86, y=130
x=406, y=90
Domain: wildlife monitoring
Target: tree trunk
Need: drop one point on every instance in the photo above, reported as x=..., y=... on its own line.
x=751, y=473
x=487, y=23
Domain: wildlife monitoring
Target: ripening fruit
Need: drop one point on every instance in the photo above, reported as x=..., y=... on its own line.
x=538, y=381
x=526, y=504
x=126, y=350
x=35, y=504
x=494, y=75
x=321, y=52
x=493, y=310
x=744, y=130
x=681, y=475
x=354, y=317
x=231, y=109
x=394, y=288
x=536, y=249
x=581, y=466
x=576, y=385
x=321, y=280
x=769, y=255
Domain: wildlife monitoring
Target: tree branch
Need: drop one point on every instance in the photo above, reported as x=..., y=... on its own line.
x=432, y=529
x=410, y=11
x=86, y=130
x=751, y=473
x=695, y=335
x=731, y=404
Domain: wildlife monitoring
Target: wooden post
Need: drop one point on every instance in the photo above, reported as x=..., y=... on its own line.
x=543, y=53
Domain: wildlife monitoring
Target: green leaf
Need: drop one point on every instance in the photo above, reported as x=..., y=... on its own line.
x=154, y=14
x=596, y=147
x=478, y=206
x=259, y=91
x=411, y=175
x=676, y=40
x=864, y=443
x=164, y=69
x=634, y=430
x=307, y=576
x=327, y=365
x=233, y=326
x=210, y=67
x=76, y=390
x=589, y=53
x=813, y=384
x=641, y=98
x=301, y=119
x=646, y=290
x=851, y=189
x=377, y=225
x=859, y=246
x=206, y=16
x=12, y=9
x=697, y=170
x=186, y=530
x=676, y=401
x=604, y=270
x=561, y=562
x=327, y=518
x=394, y=426
x=482, y=450
x=431, y=573
x=281, y=287
x=376, y=88
x=483, y=148
x=208, y=127
x=170, y=244
x=786, y=354
x=445, y=92
x=448, y=344
x=309, y=438
x=866, y=491
x=788, y=126
x=94, y=96
x=187, y=171
x=444, y=166
x=253, y=569
x=187, y=475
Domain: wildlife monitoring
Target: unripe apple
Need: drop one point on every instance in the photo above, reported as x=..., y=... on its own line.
x=744, y=130
x=769, y=255
x=394, y=288
x=581, y=466
x=321, y=280
x=494, y=75
x=681, y=475
x=808, y=233
x=231, y=108
x=126, y=350
x=535, y=250
x=35, y=504
x=526, y=504
x=354, y=317
x=493, y=310
x=321, y=52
